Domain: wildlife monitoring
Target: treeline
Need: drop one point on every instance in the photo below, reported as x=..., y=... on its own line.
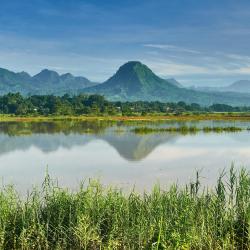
x=15, y=103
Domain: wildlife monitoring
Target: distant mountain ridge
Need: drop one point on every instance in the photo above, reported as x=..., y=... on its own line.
x=241, y=86
x=45, y=82
x=133, y=81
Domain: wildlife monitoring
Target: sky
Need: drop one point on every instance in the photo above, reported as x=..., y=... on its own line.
x=197, y=42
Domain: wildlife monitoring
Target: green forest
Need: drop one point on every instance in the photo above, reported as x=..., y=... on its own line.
x=16, y=104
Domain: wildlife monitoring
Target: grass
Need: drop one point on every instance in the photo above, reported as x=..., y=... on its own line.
x=186, y=129
x=244, y=116
x=95, y=217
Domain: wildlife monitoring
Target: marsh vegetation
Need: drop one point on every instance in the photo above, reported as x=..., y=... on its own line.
x=186, y=129
x=98, y=217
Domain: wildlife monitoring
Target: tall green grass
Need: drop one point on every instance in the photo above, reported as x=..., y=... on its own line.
x=186, y=129
x=95, y=217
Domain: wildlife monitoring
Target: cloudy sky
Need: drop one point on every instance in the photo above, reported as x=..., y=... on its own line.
x=197, y=42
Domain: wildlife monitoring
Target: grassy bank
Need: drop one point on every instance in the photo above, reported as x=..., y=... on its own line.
x=186, y=129
x=95, y=217
x=151, y=117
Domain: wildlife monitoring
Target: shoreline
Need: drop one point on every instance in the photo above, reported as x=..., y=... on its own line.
x=148, y=118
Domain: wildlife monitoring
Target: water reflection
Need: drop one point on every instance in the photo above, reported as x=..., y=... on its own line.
x=129, y=146
x=49, y=137
x=78, y=150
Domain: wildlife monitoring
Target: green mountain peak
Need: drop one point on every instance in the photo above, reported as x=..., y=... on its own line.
x=132, y=79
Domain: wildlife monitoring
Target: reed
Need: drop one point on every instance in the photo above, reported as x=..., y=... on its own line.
x=185, y=129
x=95, y=217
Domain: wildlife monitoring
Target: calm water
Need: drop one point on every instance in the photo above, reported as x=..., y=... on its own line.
x=77, y=151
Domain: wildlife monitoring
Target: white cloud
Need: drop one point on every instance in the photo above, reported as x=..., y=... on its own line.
x=171, y=48
x=173, y=68
x=243, y=70
x=238, y=57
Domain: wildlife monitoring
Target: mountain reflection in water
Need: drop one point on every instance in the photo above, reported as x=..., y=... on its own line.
x=78, y=150
x=47, y=138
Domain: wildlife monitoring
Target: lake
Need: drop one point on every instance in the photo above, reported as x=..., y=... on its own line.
x=76, y=151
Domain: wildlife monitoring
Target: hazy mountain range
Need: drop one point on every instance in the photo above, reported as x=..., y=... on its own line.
x=133, y=81
x=241, y=86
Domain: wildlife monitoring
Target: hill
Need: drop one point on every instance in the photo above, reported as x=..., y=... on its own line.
x=45, y=82
x=132, y=82
x=14, y=82
x=242, y=86
x=135, y=81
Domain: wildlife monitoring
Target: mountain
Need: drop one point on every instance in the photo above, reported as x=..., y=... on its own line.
x=47, y=77
x=174, y=82
x=14, y=82
x=240, y=86
x=13, y=78
x=135, y=81
x=53, y=82
x=45, y=82
x=132, y=81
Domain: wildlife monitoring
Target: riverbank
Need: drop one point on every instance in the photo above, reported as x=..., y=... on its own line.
x=95, y=217
x=153, y=117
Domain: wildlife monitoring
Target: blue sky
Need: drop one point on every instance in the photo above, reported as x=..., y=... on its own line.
x=198, y=42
